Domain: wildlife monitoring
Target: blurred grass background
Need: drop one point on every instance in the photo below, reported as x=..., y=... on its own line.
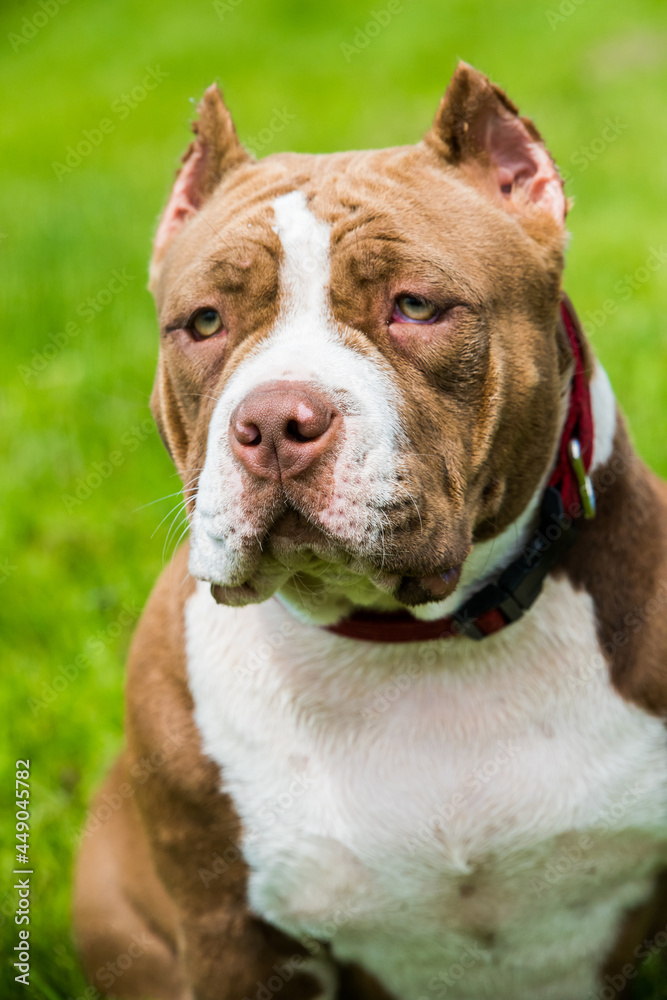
x=79, y=548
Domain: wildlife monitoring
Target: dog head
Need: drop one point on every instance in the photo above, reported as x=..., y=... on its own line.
x=362, y=367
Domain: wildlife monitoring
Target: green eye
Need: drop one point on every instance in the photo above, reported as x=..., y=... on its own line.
x=207, y=322
x=412, y=307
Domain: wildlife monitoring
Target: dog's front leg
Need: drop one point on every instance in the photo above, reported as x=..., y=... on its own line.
x=225, y=952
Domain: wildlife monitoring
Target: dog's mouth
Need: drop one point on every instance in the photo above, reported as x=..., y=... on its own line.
x=299, y=558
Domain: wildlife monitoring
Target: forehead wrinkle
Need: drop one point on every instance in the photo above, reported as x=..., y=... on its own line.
x=381, y=258
x=212, y=274
x=399, y=234
x=250, y=193
x=240, y=262
x=354, y=225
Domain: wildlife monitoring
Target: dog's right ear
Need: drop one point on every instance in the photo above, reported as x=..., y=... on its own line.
x=215, y=151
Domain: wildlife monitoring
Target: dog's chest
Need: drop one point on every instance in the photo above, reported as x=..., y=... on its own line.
x=461, y=819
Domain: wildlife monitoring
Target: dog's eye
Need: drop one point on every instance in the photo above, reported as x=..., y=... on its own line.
x=207, y=322
x=414, y=309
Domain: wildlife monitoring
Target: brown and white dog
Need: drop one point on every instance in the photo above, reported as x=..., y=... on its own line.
x=371, y=385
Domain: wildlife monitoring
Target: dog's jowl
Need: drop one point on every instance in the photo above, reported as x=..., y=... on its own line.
x=395, y=714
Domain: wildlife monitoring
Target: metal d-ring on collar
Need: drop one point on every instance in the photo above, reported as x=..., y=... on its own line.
x=586, y=491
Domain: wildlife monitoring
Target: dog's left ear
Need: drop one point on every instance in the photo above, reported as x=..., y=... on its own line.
x=478, y=129
x=215, y=151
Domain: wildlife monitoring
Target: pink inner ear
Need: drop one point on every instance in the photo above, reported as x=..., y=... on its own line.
x=523, y=164
x=183, y=200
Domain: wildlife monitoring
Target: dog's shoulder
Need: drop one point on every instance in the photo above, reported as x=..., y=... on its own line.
x=621, y=561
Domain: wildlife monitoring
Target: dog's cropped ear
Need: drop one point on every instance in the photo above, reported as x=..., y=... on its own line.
x=478, y=129
x=215, y=151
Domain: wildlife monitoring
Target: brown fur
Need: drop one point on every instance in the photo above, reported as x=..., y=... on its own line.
x=627, y=577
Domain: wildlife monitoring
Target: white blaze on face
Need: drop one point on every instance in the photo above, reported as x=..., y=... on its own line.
x=304, y=276
x=306, y=345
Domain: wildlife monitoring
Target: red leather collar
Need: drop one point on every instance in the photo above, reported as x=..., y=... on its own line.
x=579, y=420
x=566, y=499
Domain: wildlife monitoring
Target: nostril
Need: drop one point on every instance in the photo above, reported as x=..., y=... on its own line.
x=247, y=433
x=294, y=432
x=308, y=423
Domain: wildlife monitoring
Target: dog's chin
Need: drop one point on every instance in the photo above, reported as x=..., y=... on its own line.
x=237, y=597
x=325, y=580
x=320, y=597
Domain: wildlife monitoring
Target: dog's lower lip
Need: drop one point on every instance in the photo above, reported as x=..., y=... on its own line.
x=240, y=594
x=442, y=584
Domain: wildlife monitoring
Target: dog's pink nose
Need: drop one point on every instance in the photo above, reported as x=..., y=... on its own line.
x=281, y=428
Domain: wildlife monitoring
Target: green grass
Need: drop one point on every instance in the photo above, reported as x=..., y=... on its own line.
x=68, y=567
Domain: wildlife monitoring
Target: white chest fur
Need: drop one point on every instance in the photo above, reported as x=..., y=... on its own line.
x=463, y=819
